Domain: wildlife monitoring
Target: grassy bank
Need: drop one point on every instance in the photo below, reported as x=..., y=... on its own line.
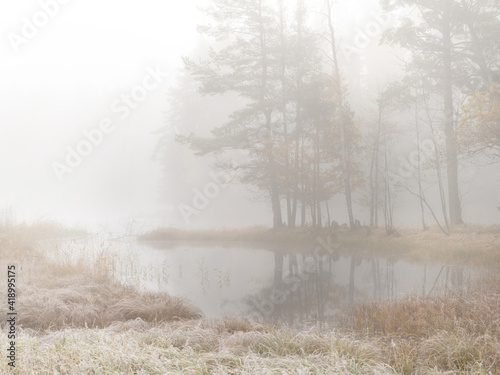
x=239, y=347
x=61, y=294
x=74, y=320
x=459, y=334
x=471, y=245
x=192, y=348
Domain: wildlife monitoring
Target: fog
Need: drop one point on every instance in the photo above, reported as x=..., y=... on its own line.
x=63, y=81
x=74, y=73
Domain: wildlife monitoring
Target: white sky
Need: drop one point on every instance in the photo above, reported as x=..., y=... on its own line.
x=62, y=81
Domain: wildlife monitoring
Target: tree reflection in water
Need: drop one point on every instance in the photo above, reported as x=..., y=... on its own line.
x=315, y=289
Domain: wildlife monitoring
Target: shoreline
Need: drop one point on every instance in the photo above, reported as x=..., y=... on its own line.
x=468, y=245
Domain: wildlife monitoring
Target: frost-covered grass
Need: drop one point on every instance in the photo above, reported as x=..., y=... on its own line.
x=194, y=347
x=78, y=301
x=217, y=347
x=75, y=320
x=57, y=293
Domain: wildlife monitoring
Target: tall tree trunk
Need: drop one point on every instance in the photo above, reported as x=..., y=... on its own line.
x=438, y=166
x=372, y=188
x=328, y=213
x=303, y=189
x=374, y=175
x=298, y=108
x=274, y=190
x=387, y=194
x=451, y=141
x=302, y=213
x=377, y=173
x=343, y=138
x=284, y=95
x=419, y=174
x=317, y=181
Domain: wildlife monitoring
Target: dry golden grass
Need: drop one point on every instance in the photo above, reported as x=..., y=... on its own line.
x=459, y=334
x=78, y=301
x=460, y=351
x=17, y=241
x=465, y=245
x=420, y=317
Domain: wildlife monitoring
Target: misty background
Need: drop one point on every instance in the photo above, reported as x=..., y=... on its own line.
x=65, y=79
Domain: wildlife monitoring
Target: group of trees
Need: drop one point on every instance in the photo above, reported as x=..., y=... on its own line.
x=455, y=52
x=301, y=141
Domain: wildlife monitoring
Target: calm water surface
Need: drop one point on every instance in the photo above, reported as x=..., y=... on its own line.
x=262, y=283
